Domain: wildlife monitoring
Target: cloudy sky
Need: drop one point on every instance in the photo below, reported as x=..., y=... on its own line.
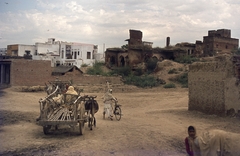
x=107, y=22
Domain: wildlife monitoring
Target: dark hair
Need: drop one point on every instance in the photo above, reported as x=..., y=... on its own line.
x=191, y=128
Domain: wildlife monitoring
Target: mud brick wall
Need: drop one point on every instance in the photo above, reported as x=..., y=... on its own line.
x=135, y=57
x=212, y=87
x=90, y=79
x=38, y=72
x=30, y=72
x=232, y=95
x=95, y=80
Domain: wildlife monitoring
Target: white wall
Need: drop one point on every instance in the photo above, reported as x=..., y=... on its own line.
x=99, y=57
x=44, y=48
x=23, y=48
x=78, y=52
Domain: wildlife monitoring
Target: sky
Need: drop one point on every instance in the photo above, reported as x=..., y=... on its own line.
x=106, y=23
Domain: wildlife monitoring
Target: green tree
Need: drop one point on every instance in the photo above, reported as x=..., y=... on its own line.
x=124, y=46
x=151, y=64
x=237, y=51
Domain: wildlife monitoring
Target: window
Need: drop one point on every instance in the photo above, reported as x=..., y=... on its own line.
x=88, y=55
x=75, y=55
x=216, y=45
x=78, y=53
x=226, y=46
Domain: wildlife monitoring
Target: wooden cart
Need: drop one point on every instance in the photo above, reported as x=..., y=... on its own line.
x=66, y=109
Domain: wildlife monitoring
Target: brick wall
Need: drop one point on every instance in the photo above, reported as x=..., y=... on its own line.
x=212, y=87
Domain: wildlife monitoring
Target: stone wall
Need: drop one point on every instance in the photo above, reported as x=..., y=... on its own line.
x=212, y=87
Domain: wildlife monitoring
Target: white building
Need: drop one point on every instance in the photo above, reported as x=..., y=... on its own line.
x=20, y=50
x=48, y=51
x=65, y=53
x=50, y=47
x=25, y=49
x=59, y=52
x=77, y=54
x=99, y=57
x=3, y=51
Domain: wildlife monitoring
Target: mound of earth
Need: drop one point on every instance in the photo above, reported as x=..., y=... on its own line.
x=168, y=69
x=165, y=69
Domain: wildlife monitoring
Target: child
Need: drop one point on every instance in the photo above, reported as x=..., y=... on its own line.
x=191, y=141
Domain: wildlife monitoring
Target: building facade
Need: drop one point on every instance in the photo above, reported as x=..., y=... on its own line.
x=219, y=41
x=138, y=51
x=20, y=50
x=77, y=54
x=58, y=52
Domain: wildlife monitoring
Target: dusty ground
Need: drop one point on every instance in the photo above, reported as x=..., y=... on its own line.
x=154, y=123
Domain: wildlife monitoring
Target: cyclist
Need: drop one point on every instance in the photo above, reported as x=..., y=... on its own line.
x=107, y=100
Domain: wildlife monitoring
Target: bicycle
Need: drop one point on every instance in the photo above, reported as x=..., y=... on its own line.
x=116, y=111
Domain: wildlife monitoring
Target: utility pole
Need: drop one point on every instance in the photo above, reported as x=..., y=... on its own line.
x=103, y=50
x=103, y=47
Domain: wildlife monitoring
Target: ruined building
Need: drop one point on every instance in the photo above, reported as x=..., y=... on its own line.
x=139, y=51
x=219, y=41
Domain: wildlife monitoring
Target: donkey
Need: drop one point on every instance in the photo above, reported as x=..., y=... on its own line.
x=92, y=107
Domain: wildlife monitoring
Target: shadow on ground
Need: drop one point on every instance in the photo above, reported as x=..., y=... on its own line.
x=12, y=117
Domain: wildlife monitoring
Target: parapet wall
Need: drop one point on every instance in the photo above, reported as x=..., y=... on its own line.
x=212, y=87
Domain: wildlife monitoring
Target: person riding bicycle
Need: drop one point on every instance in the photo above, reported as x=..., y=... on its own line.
x=107, y=100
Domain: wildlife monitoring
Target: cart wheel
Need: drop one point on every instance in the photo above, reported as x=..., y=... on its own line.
x=81, y=127
x=118, y=113
x=46, y=129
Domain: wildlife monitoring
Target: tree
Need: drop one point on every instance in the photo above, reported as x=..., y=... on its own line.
x=237, y=51
x=125, y=46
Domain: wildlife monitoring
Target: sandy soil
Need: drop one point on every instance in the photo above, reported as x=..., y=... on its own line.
x=154, y=123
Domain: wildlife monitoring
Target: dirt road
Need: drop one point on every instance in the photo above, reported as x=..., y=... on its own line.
x=154, y=123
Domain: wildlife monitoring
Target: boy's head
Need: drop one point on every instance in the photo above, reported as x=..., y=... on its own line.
x=191, y=131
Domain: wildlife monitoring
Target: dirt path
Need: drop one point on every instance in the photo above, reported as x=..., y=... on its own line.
x=154, y=123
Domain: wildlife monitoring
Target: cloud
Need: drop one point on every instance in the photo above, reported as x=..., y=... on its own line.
x=107, y=21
